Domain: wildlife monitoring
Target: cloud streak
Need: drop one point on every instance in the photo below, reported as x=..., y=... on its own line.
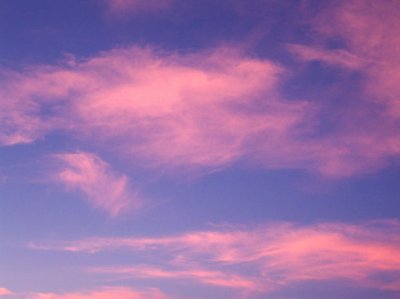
x=93, y=177
x=275, y=255
x=339, y=57
x=124, y=7
x=105, y=293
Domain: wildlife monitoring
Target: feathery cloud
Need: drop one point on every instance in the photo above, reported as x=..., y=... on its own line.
x=123, y=7
x=275, y=255
x=196, y=111
x=90, y=175
x=105, y=293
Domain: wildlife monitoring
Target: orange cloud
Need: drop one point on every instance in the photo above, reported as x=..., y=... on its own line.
x=274, y=255
x=104, y=189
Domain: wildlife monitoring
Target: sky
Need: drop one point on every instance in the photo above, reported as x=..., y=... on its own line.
x=185, y=149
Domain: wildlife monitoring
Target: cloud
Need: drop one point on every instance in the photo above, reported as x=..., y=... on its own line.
x=124, y=7
x=201, y=111
x=105, y=293
x=339, y=57
x=90, y=175
x=368, y=38
x=369, y=32
x=187, y=111
x=194, y=110
x=274, y=255
x=373, y=32
x=205, y=276
x=33, y=102
x=5, y=292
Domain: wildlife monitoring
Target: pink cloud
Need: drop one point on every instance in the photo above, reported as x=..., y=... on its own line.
x=188, y=112
x=105, y=293
x=275, y=255
x=25, y=95
x=5, y=292
x=123, y=7
x=193, y=111
x=216, y=278
x=373, y=32
x=338, y=57
x=370, y=32
x=90, y=175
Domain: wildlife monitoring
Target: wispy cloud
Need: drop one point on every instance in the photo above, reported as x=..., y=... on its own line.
x=129, y=7
x=205, y=276
x=194, y=110
x=90, y=175
x=275, y=255
x=105, y=293
x=197, y=111
x=368, y=35
x=339, y=57
x=5, y=292
x=369, y=32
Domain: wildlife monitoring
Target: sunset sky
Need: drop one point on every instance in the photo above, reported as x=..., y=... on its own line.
x=199, y=149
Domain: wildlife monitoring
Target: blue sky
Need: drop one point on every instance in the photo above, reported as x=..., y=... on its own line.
x=172, y=149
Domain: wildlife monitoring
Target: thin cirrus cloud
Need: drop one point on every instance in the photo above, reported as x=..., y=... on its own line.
x=339, y=57
x=275, y=255
x=369, y=50
x=196, y=111
x=203, y=276
x=104, y=189
x=124, y=7
x=105, y=293
x=188, y=111
x=370, y=34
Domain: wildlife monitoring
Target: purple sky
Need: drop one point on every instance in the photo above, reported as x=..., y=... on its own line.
x=185, y=149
